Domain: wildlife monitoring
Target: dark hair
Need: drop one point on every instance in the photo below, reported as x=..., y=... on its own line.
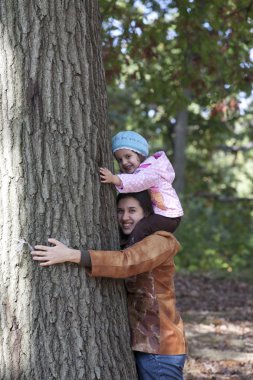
x=143, y=197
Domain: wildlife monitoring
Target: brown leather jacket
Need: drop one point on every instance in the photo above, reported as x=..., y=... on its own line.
x=148, y=267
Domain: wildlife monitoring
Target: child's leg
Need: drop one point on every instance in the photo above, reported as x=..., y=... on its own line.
x=151, y=224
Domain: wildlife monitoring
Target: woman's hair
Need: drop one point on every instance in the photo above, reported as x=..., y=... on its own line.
x=142, y=197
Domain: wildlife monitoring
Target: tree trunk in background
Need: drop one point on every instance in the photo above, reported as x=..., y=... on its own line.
x=179, y=150
x=55, y=322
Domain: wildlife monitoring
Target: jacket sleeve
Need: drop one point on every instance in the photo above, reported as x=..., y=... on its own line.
x=139, y=258
x=142, y=180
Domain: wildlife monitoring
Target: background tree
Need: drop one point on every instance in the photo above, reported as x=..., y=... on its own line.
x=176, y=72
x=55, y=323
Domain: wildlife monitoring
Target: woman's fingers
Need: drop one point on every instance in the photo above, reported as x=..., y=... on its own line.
x=38, y=253
x=54, y=241
x=46, y=264
x=44, y=258
x=41, y=247
x=50, y=255
x=46, y=247
x=40, y=258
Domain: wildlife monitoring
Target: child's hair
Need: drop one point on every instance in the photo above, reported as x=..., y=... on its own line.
x=141, y=157
x=143, y=197
x=130, y=140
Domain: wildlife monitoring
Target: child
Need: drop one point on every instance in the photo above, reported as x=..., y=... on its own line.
x=154, y=173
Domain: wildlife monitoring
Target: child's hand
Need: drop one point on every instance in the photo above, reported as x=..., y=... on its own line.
x=106, y=176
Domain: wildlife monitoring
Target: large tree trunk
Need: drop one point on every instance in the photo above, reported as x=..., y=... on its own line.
x=55, y=322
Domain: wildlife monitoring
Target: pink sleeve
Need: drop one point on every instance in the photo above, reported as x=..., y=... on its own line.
x=142, y=180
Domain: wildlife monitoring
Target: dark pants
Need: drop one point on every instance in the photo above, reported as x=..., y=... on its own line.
x=151, y=224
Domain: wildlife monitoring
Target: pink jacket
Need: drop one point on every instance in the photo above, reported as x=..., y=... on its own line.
x=156, y=174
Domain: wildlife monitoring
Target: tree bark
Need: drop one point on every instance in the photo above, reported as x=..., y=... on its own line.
x=55, y=322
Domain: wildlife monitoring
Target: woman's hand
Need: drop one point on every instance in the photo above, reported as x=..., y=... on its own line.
x=60, y=253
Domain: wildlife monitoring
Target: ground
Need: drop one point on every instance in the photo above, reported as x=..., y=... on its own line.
x=218, y=316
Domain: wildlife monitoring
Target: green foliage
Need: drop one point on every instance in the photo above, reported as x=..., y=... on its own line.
x=169, y=46
x=216, y=235
x=156, y=52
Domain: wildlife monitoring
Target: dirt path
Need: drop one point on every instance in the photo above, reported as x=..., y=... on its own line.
x=218, y=316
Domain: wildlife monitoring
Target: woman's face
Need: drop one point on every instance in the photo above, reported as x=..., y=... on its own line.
x=129, y=214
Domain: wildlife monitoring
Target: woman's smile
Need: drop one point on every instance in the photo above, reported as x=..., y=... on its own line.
x=129, y=214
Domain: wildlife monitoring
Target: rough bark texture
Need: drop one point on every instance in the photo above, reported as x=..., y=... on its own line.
x=55, y=322
x=179, y=150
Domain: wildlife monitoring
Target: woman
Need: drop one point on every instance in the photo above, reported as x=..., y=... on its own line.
x=157, y=334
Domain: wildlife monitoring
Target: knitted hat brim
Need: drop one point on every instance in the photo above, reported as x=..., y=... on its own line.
x=127, y=147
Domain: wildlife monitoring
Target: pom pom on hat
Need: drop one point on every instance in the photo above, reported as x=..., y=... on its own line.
x=130, y=140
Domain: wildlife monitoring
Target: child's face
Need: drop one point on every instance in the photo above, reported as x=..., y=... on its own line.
x=128, y=160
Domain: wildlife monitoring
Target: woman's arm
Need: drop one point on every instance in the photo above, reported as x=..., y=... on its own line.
x=141, y=257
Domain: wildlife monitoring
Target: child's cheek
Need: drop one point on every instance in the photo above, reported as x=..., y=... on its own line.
x=121, y=169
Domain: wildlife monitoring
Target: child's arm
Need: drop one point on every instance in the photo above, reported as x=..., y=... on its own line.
x=106, y=176
x=142, y=180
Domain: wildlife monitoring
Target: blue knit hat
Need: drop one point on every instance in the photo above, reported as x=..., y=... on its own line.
x=130, y=140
